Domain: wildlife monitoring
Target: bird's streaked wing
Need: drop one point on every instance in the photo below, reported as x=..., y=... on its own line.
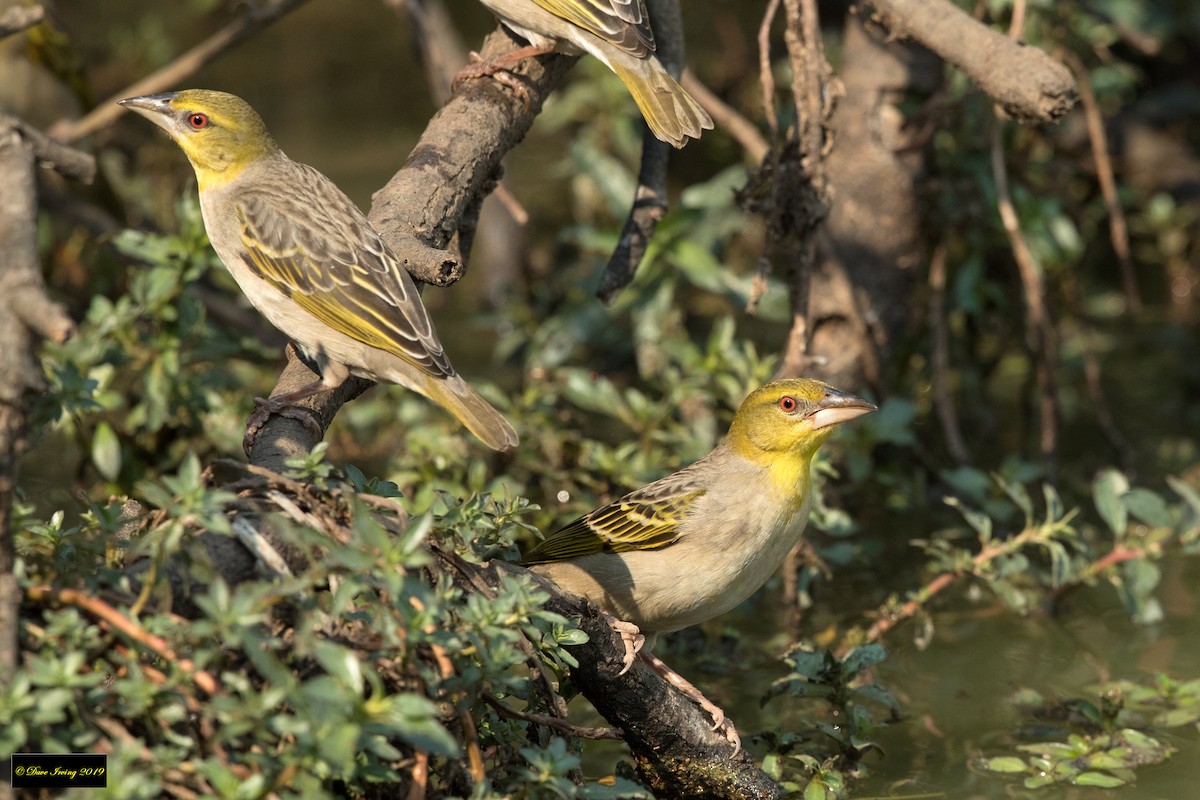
x=647, y=519
x=318, y=249
x=623, y=23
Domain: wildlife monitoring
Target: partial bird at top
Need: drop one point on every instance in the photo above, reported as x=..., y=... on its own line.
x=618, y=33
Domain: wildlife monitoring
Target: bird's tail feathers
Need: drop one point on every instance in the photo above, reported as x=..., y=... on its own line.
x=672, y=114
x=476, y=414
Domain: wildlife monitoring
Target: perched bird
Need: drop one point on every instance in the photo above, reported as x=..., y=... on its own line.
x=695, y=544
x=618, y=33
x=310, y=262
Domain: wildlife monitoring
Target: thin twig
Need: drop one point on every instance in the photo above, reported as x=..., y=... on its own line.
x=256, y=17
x=943, y=397
x=1118, y=230
x=554, y=723
x=66, y=161
x=766, y=76
x=420, y=775
x=727, y=118
x=113, y=618
x=1039, y=332
x=918, y=599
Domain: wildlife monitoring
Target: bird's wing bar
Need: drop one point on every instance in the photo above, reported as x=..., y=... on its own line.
x=623, y=23
x=647, y=519
x=335, y=267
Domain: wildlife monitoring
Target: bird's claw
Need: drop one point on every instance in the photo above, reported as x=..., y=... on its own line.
x=265, y=407
x=499, y=70
x=631, y=637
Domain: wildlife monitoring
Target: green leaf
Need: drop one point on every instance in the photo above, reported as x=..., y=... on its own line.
x=1010, y=764
x=1149, y=507
x=1106, y=493
x=340, y=663
x=106, y=451
x=863, y=657
x=1099, y=779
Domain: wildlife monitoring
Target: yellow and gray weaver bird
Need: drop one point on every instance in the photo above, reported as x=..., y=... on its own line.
x=695, y=544
x=310, y=262
x=618, y=33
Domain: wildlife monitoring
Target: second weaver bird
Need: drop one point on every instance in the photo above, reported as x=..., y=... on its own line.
x=618, y=33
x=310, y=262
x=695, y=544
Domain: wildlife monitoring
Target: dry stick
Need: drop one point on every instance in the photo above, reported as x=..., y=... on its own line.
x=943, y=396
x=256, y=17
x=803, y=37
x=727, y=118
x=1118, y=230
x=1038, y=330
x=420, y=776
x=766, y=79
x=19, y=18
x=554, y=723
x=132, y=630
x=1025, y=81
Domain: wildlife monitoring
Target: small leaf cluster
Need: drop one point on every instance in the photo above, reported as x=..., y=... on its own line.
x=847, y=704
x=1104, y=739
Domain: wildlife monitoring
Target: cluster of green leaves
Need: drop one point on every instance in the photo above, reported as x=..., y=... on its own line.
x=1102, y=739
x=344, y=699
x=148, y=377
x=1026, y=557
x=846, y=704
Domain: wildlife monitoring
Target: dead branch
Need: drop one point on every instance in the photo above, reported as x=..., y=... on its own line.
x=1029, y=84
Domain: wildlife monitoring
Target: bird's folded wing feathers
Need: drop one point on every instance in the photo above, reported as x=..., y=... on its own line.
x=623, y=23
x=334, y=266
x=648, y=519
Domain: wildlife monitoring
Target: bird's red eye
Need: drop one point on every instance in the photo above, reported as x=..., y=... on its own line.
x=198, y=121
x=788, y=403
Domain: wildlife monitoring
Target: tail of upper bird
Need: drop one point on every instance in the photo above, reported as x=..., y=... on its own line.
x=475, y=413
x=672, y=114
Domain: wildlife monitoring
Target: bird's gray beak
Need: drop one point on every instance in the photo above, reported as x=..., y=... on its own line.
x=154, y=107
x=836, y=407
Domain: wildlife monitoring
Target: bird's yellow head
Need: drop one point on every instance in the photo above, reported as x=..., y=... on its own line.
x=782, y=424
x=220, y=133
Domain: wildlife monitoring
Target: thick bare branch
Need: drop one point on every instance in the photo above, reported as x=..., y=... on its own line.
x=1029, y=84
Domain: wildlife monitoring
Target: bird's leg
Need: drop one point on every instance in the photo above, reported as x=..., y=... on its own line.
x=631, y=637
x=499, y=67
x=285, y=404
x=721, y=722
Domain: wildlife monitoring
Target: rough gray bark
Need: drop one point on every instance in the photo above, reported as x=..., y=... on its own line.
x=1025, y=81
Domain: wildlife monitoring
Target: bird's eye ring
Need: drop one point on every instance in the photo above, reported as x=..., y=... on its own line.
x=788, y=403
x=198, y=121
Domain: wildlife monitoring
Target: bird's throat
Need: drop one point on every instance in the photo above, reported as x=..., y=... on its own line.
x=789, y=476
